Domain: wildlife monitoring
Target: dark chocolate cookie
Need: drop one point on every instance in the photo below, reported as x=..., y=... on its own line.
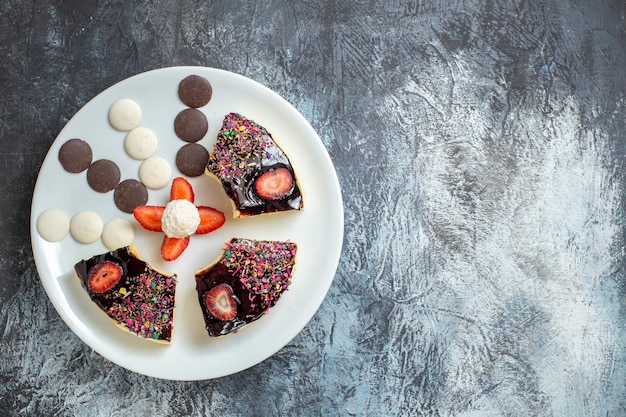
x=75, y=155
x=130, y=194
x=191, y=125
x=103, y=175
x=195, y=91
x=191, y=159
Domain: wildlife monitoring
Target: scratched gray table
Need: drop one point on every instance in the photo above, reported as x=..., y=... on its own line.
x=480, y=147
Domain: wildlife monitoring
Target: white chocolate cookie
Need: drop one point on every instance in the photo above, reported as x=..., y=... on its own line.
x=140, y=143
x=118, y=233
x=86, y=227
x=155, y=172
x=53, y=225
x=125, y=114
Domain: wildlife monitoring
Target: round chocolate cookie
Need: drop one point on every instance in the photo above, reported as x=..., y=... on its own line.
x=191, y=159
x=191, y=125
x=103, y=175
x=195, y=91
x=130, y=194
x=75, y=155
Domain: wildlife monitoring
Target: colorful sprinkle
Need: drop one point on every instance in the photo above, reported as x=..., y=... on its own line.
x=144, y=304
x=263, y=267
x=241, y=146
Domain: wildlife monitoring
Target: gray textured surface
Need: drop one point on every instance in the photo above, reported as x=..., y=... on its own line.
x=481, y=151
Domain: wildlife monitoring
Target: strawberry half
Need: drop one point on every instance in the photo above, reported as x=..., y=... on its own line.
x=172, y=247
x=221, y=302
x=181, y=190
x=149, y=217
x=274, y=184
x=210, y=219
x=103, y=276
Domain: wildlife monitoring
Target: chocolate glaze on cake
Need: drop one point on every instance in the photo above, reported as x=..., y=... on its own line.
x=75, y=155
x=191, y=159
x=142, y=301
x=195, y=91
x=129, y=194
x=190, y=125
x=245, y=151
x=246, y=313
x=258, y=273
x=103, y=175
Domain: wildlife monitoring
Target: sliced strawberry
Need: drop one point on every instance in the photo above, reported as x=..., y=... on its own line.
x=104, y=275
x=210, y=219
x=221, y=302
x=172, y=247
x=149, y=217
x=274, y=184
x=181, y=190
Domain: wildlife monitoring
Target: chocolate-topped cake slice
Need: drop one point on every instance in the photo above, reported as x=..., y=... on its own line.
x=130, y=292
x=253, y=169
x=244, y=283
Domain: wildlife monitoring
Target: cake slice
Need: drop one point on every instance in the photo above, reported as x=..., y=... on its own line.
x=246, y=280
x=138, y=298
x=253, y=169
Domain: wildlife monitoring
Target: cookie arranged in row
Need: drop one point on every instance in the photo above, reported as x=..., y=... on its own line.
x=247, y=278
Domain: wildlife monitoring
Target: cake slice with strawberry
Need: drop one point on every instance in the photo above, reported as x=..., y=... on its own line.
x=253, y=169
x=135, y=296
x=242, y=285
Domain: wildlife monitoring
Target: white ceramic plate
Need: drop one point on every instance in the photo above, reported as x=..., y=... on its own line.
x=318, y=229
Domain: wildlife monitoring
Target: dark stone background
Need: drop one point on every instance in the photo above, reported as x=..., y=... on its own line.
x=480, y=148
